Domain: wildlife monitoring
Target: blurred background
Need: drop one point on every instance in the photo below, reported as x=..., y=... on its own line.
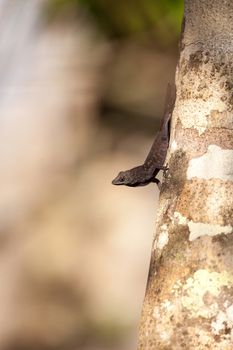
x=82, y=89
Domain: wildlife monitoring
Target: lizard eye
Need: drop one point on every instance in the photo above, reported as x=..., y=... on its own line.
x=122, y=179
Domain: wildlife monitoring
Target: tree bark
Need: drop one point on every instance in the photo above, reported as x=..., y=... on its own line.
x=189, y=296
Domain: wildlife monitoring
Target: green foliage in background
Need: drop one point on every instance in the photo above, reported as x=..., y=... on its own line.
x=124, y=18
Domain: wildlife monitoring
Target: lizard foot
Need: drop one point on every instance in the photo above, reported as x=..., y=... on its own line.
x=157, y=182
x=163, y=167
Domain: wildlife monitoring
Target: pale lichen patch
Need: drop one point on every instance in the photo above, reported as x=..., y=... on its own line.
x=193, y=113
x=198, y=286
x=215, y=163
x=199, y=229
x=167, y=305
x=164, y=332
x=229, y=312
x=219, y=324
x=181, y=220
x=222, y=322
x=176, y=288
x=174, y=146
x=163, y=237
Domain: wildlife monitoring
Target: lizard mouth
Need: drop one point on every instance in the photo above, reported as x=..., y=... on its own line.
x=118, y=181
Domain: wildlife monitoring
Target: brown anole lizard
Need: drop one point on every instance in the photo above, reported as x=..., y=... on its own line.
x=146, y=173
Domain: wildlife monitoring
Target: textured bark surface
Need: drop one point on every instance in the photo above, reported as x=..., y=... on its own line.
x=189, y=297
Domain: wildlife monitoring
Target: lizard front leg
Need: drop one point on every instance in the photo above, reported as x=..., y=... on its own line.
x=162, y=167
x=155, y=180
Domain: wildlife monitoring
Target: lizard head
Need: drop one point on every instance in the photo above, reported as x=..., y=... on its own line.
x=133, y=177
x=123, y=178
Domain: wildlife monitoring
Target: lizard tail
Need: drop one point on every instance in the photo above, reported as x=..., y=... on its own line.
x=169, y=105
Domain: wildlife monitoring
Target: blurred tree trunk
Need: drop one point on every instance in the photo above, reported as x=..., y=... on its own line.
x=189, y=297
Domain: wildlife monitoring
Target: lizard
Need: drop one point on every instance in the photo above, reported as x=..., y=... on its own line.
x=146, y=173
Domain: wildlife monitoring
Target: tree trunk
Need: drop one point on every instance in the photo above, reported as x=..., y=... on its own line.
x=189, y=297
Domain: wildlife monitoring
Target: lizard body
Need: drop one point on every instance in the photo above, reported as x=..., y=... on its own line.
x=146, y=173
